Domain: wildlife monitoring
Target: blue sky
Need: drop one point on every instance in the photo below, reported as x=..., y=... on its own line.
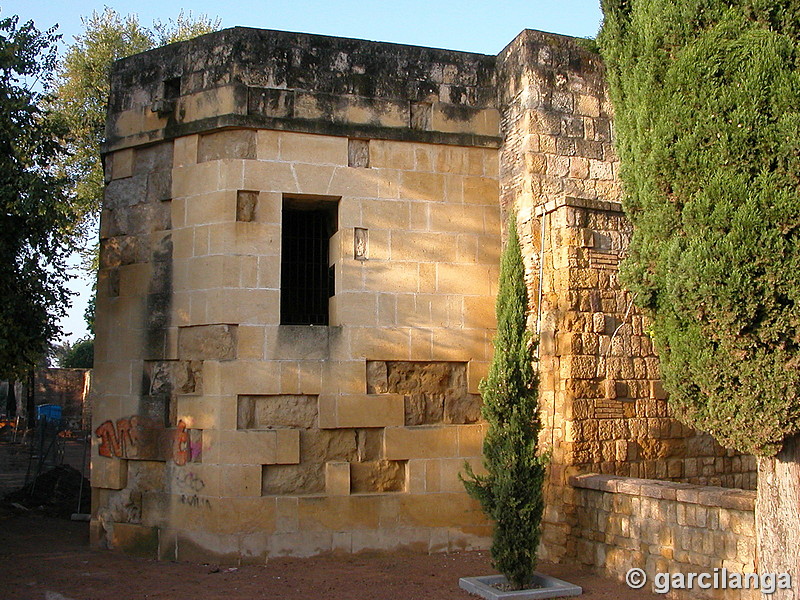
x=473, y=26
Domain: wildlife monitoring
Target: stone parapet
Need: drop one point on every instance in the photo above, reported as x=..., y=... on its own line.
x=620, y=523
x=261, y=79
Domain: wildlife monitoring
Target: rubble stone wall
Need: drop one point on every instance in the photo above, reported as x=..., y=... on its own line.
x=603, y=407
x=620, y=523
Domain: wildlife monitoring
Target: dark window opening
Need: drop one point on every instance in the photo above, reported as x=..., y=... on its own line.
x=307, y=280
x=172, y=88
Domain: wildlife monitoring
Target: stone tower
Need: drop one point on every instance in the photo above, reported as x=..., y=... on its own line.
x=299, y=253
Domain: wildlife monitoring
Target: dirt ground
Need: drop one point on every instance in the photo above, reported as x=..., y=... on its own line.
x=42, y=558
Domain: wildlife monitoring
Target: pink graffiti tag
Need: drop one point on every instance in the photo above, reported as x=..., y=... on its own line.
x=181, y=450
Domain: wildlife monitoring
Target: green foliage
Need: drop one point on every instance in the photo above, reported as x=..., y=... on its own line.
x=511, y=491
x=81, y=93
x=79, y=355
x=706, y=96
x=184, y=27
x=36, y=218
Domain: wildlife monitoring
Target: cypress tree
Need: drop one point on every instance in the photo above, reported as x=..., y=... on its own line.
x=511, y=491
x=706, y=97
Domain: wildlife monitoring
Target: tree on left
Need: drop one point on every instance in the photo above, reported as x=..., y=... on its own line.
x=37, y=216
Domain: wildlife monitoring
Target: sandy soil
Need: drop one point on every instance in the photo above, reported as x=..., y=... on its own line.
x=42, y=558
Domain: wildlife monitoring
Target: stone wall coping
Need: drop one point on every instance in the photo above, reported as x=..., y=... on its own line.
x=602, y=205
x=238, y=121
x=687, y=493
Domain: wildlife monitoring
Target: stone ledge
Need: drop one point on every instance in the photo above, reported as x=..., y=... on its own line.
x=600, y=205
x=320, y=127
x=687, y=493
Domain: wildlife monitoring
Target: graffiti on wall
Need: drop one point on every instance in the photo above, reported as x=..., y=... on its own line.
x=190, y=486
x=139, y=437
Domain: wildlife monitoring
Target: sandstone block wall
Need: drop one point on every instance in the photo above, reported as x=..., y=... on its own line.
x=662, y=527
x=222, y=432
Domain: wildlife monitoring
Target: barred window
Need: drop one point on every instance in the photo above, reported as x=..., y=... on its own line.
x=307, y=280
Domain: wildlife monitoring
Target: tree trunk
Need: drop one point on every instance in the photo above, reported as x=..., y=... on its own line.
x=778, y=516
x=11, y=399
x=30, y=402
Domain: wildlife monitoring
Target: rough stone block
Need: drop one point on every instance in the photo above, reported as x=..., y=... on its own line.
x=377, y=377
x=380, y=476
x=277, y=412
x=233, y=143
x=246, y=206
x=421, y=409
x=293, y=480
x=358, y=153
x=204, y=342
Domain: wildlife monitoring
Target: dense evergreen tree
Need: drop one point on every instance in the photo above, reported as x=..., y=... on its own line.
x=79, y=355
x=511, y=491
x=706, y=97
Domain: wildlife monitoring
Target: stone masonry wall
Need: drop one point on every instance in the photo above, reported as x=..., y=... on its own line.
x=223, y=434
x=603, y=406
x=621, y=523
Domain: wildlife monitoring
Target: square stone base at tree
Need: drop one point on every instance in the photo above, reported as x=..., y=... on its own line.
x=544, y=587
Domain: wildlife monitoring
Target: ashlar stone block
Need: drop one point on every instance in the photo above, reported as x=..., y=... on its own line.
x=337, y=478
x=427, y=441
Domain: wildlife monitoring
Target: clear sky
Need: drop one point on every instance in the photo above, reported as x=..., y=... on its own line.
x=469, y=25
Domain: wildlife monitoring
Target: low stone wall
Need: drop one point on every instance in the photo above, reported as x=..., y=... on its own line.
x=620, y=523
